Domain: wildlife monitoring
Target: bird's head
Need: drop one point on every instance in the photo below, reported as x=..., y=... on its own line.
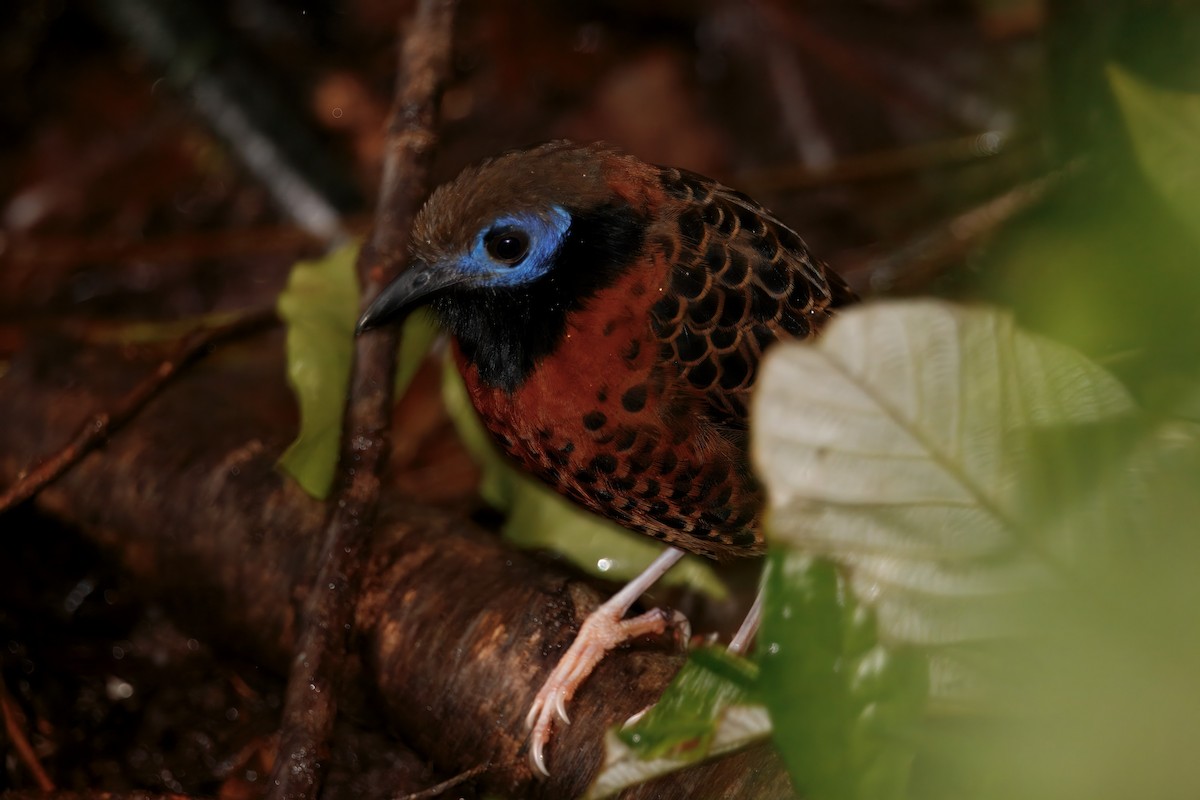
x=511, y=228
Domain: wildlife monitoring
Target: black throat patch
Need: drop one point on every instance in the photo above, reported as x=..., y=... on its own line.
x=506, y=331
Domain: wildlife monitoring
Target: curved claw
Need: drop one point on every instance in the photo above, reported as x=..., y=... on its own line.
x=549, y=703
x=635, y=717
x=537, y=757
x=599, y=633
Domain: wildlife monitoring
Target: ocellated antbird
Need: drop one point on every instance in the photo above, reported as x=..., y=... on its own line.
x=608, y=317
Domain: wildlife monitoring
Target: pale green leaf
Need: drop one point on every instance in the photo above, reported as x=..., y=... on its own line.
x=897, y=445
x=319, y=307
x=416, y=338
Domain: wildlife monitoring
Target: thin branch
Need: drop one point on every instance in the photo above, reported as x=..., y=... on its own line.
x=842, y=59
x=261, y=129
x=881, y=164
x=437, y=789
x=924, y=257
x=16, y=735
x=310, y=706
x=97, y=429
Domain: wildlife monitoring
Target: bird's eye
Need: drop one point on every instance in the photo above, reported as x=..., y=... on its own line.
x=507, y=245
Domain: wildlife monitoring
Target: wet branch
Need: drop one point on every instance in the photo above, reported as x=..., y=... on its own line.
x=20, y=743
x=454, y=631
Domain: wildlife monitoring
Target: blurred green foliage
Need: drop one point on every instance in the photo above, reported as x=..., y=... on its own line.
x=1091, y=692
x=1164, y=129
x=1109, y=263
x=843, y=705
x=1094, y=699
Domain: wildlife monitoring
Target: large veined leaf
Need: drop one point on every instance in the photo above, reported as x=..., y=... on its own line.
x=900, y=445
x=1100, y=701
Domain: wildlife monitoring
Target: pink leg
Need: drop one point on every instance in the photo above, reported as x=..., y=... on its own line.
x=604, y=629
x=745, y=634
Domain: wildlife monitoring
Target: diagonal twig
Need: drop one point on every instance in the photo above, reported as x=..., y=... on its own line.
x=446, y=785
x=24, y=750
x=924, y=257
x=881, y=165
x=97, y=428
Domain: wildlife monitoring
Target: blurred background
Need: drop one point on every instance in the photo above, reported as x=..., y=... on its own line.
x=166, y=159
x=177, y=150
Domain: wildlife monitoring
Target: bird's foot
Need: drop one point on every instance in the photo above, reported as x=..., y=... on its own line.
x=601, y=631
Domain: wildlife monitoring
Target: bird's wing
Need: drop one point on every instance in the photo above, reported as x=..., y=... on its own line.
x=740, y=280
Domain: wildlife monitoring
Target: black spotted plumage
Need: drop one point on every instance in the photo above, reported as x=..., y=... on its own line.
x=740, y=280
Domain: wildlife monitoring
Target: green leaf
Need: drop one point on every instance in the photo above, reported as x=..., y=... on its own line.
x=708, y=710
x=319, y=306
x=685, y=719
x=1100, y=703
x=844, y=707
x=417, y=336
x=1165, y=128
x=896, y=446
x=540, y=518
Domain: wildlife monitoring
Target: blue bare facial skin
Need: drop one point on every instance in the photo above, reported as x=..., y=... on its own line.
x=513, y=250
x=517, y=249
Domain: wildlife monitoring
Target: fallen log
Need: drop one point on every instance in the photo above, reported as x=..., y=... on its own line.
x=454, y=629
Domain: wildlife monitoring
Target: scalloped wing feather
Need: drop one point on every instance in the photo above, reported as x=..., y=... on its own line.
x=741, y=281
